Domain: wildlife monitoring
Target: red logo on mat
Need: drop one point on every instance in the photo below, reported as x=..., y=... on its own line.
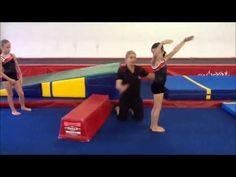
x=72, y=128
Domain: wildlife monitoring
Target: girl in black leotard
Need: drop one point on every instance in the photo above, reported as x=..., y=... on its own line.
x=11, y=76
x=158, y=64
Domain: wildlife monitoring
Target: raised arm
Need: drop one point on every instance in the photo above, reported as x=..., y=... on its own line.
x=178, y=47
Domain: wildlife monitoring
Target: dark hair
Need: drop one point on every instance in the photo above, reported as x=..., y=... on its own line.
x=155, y=45
x=3, y=42
x=0, y=51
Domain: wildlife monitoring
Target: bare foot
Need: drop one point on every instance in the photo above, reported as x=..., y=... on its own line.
x=26, y=109
x=16, y=113
x=131, y=111
x=117, y=109
x=157, y=129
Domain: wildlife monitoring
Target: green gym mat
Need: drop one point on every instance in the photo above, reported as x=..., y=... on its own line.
x=97, y=70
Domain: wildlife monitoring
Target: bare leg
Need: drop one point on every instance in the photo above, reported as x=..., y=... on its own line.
x=20, y=93
x=8, y=87
x=155, y=114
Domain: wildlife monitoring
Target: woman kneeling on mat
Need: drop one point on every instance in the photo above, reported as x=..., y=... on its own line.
x=128, y=83
x=11, y=76
x=158, y=64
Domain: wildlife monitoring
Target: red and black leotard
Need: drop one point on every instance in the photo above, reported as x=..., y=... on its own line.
x=9, y=67
x=160, y=77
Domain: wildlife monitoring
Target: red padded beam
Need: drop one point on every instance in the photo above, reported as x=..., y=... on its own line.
x=85, y=120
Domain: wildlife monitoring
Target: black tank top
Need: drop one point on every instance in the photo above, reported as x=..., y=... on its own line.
x=8, y=64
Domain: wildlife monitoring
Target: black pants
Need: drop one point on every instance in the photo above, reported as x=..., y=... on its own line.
x=136, y=104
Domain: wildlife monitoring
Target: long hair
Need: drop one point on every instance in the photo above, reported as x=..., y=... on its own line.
x=155, y=45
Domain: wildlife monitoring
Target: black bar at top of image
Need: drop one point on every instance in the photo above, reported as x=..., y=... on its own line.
x=118, y=11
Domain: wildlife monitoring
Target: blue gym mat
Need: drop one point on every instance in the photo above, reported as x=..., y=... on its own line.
x=218, y=84
x=222, y=87
x=230, y=108
x=188, y=131
x=178, y=84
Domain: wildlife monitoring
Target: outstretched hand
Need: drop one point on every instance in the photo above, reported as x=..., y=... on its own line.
x=188, y=38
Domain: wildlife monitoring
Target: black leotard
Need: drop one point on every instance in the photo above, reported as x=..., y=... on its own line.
x=160, y=78
x=9, y=67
